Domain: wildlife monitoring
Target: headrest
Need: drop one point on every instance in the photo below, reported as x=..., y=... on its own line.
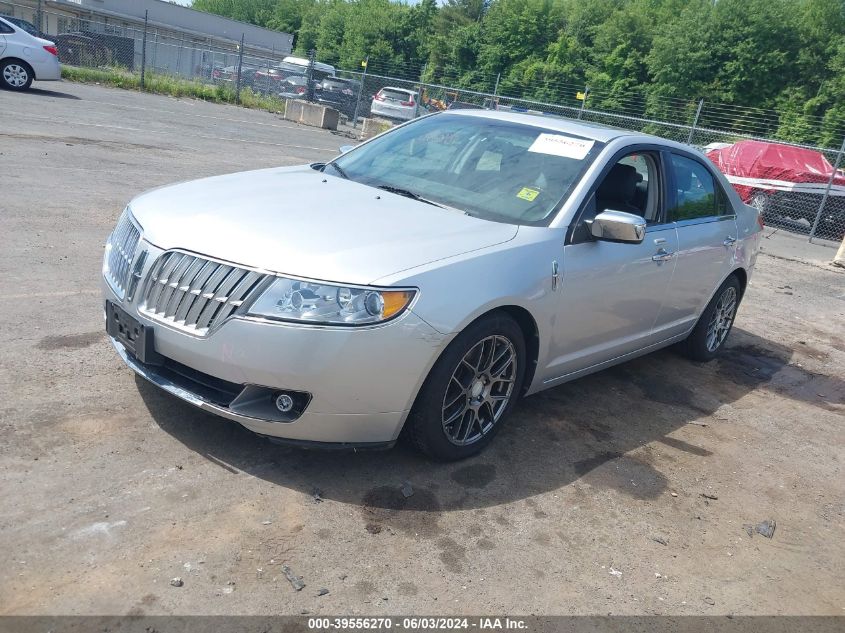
x=619, y=184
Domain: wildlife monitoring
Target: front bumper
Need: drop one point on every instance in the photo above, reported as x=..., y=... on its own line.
x=362, y=381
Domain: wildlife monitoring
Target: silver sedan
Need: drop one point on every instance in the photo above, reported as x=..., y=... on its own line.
x=426, y=279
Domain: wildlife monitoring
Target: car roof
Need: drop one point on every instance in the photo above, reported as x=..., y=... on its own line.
x=595, y=131
x=408, y=90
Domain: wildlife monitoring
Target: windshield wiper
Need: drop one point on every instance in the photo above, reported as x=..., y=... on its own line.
x=338, y=170
x=409, y=194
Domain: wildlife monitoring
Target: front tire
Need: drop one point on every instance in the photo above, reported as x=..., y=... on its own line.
x=472, y=387
x=15, y=75
x=715, y=323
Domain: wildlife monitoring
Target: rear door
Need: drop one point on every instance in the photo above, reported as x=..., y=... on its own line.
x=707, y=234
x=4, y=29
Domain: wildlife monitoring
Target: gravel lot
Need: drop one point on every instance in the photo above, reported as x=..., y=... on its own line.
x=624, y=492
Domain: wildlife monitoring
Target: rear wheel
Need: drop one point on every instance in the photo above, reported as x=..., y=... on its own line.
x=470, y=390
x=715, y=323
x=15, y=75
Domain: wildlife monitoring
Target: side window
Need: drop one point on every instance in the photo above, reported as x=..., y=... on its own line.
x=695, y=195
x=4, y=28
x=632, y=185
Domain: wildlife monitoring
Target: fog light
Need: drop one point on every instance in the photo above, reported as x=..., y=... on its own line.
x=284, y=403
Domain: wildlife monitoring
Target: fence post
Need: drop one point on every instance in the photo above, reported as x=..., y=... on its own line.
x=584, y=101
x=309, y=77
x=38, y=17
x=240, y=66
x=365, y=64
x=267, y=86
x=144, y=48
x=695, y=121
x=827, y=191
x=419, y=95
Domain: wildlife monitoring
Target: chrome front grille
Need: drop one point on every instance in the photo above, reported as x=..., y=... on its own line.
x=195, y=294
x=120, y=250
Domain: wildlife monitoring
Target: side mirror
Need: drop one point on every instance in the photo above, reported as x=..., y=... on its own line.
x=618, y=226
x=345, y=148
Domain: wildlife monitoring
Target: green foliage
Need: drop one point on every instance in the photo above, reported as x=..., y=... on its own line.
x=650, y=57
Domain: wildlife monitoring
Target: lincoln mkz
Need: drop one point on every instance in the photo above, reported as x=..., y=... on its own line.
x=425, y=280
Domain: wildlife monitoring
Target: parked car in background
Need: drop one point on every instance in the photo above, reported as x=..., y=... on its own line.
x=80, y=49
x=268, y=80
x=442, y=270
x=293, y=87
x=25, y=58
x=394, y=103
x=229, y=76
x=785, y=182
x=340, y=94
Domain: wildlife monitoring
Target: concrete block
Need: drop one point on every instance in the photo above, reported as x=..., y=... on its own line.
x=311, y=114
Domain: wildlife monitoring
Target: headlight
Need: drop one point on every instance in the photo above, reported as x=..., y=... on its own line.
x=329, y=304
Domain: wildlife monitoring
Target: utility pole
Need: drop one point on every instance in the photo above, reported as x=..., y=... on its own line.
x=365, y=64
x=827, y=190
x=240, y=67
x=583, y=102
x=309, y=89
x=144, y=48
x=695, y=122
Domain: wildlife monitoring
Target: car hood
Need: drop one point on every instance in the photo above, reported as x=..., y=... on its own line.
x=297, y=221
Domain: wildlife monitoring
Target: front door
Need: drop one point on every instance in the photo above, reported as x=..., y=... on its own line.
x=612, y=293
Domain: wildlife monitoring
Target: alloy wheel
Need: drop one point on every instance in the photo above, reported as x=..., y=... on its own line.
x=15, y=75
x=721, y=320
x=479, y=390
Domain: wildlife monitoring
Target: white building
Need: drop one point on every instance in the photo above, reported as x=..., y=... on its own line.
x=179, y=39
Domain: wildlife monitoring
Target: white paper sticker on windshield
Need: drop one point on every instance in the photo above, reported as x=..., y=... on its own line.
x=559, y=145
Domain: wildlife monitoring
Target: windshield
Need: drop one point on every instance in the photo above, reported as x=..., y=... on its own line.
x=492, y=169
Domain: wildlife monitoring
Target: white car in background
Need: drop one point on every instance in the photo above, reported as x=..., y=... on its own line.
x=24, y=58
x=395, y=103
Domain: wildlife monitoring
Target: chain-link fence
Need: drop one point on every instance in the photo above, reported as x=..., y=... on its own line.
x=798, y=187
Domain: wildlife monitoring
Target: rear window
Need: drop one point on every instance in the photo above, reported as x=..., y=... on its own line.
x=396, y=95
x=23, y=24
x=338, y=84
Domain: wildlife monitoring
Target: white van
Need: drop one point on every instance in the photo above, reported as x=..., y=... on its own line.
x=321, y=70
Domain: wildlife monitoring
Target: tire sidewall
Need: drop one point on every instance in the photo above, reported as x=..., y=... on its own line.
x=9, y=86
x=697, y=342
x=425, y=420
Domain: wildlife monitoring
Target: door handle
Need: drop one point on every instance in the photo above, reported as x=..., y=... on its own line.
x=662, y=256
x=730, y=240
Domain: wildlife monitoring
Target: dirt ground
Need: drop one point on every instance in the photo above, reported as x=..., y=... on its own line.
x=625, y=492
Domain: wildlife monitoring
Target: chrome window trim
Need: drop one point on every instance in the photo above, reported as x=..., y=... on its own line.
x=707, y=219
